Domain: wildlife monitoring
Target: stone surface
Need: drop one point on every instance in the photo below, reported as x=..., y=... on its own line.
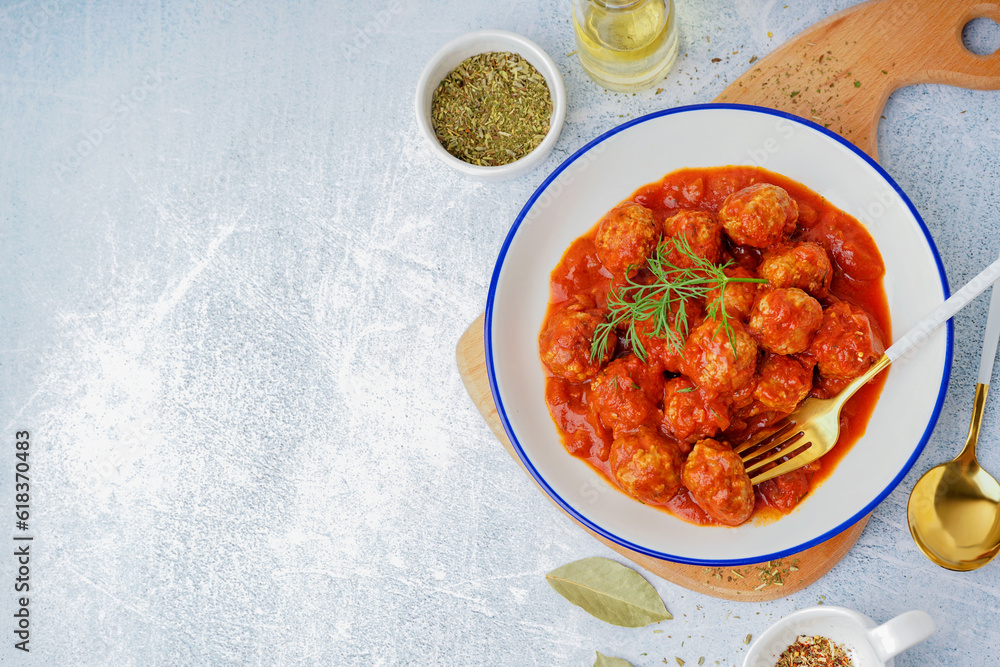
x=232, y=278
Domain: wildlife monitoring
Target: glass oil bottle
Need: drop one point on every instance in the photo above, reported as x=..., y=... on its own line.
x=626, y=45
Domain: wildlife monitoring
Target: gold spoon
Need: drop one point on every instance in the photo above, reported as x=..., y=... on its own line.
x=954, y=509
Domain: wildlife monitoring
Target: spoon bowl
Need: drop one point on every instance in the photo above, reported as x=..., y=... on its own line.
x=954, y=509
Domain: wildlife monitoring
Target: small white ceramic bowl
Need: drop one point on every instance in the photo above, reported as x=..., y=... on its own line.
x=866, y=644
x=608, y=170
x=486, y=41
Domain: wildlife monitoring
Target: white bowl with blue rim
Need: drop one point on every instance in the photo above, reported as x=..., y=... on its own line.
x=608, y=170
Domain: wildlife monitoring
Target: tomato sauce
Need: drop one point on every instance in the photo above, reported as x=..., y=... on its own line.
x=857, y=279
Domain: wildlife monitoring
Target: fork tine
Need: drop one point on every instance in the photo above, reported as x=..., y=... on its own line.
x=763, y=436
x=804, y=457
x=786, y=447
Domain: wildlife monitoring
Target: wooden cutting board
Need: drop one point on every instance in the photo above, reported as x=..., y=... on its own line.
x=838, y=73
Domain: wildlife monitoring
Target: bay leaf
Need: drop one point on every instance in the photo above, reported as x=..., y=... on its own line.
x=609, y=591
x=605, y=661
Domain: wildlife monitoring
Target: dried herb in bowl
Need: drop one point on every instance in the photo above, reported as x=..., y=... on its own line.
x=814, y=651
x=491, y=110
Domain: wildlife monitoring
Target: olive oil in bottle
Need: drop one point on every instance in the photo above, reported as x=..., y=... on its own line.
x=625, y=45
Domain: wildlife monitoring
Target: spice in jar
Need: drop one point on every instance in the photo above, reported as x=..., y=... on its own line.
x=492, y=109
x=815, y=651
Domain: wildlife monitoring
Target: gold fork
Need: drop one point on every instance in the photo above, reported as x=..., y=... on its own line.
x=812, y=430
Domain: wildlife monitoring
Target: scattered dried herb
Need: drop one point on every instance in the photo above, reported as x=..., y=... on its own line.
x=609, y=591
x=772, y=573
x=814, y=651
x=606, y=661
x=492, y=109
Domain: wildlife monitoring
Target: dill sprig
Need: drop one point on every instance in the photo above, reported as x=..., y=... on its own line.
x=672, y=288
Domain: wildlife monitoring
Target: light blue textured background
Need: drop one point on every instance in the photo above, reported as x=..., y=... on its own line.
x=232, y=279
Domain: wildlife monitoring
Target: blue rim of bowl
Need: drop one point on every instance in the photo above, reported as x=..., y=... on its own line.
x=569, y=509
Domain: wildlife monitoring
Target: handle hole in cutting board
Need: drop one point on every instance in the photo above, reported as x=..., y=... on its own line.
x=981, y=36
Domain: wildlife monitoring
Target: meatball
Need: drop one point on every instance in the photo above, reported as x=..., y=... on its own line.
x=661, y=352
x=804, y=265
x=785, y=491
x=737, y=298
x=702, y=232
x=783, y=383
x=566, y=340
x=646, y=465
x=784, y=321
x=620, y=398
x=846, y=344
x=711, y=362
x=718, y=483
x=690, y=414
x=665, y=350
x=827, y=387
x=856, y=254
x=759, y=215
x=626, y=236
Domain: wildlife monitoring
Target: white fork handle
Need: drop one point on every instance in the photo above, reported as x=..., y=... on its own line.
x=944, y=312
x=990, y=338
